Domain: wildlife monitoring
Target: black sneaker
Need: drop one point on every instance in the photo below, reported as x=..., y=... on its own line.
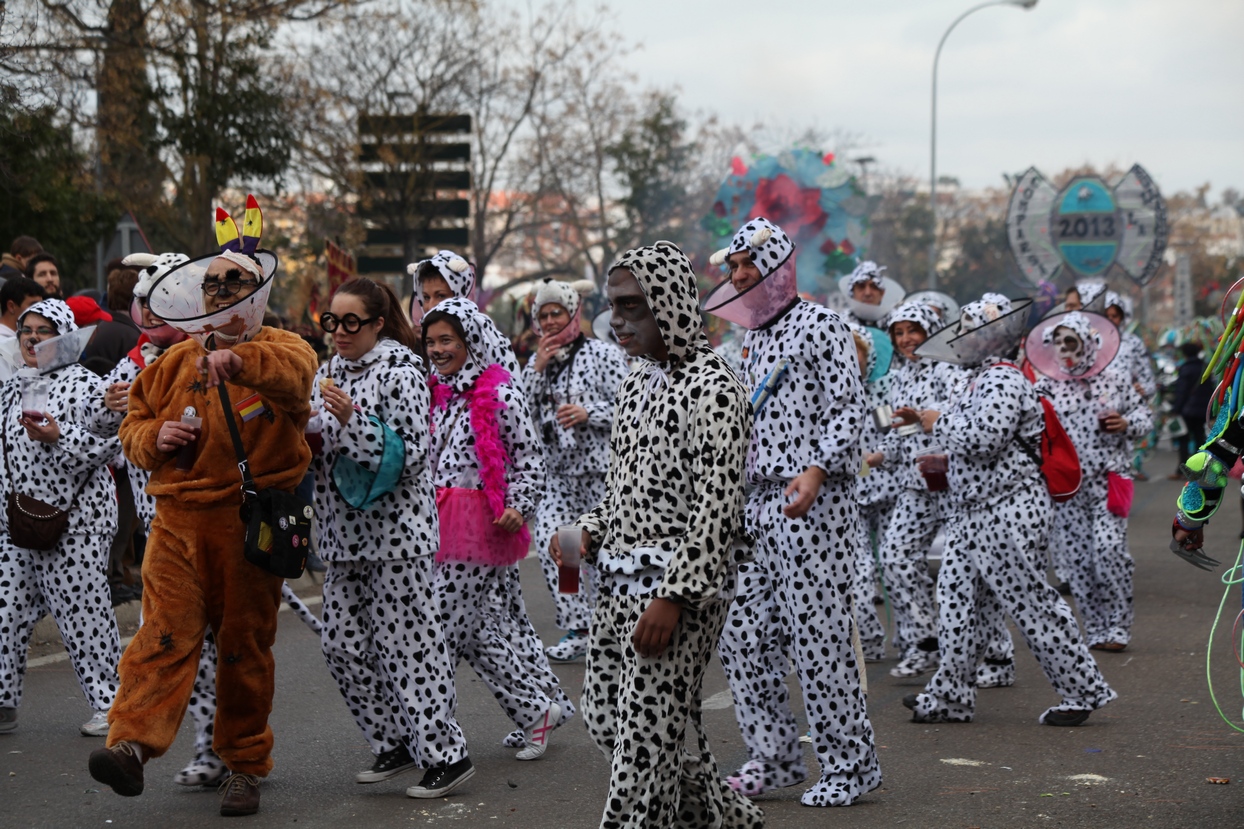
x=441, y=780
x=388, y=764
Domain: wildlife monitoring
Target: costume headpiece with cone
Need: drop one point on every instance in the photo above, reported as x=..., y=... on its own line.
x=178, y=297
x=773, y=253
x=989, y=327
x=1049, y=352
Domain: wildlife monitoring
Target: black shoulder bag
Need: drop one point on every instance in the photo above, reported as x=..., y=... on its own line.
x=278, y=523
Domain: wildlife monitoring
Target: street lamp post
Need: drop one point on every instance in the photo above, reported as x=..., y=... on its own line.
x=1023, y=4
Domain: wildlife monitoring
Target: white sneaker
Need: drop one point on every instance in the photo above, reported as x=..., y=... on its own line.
x=96, y=726
x=538, y=735
x=571, y=647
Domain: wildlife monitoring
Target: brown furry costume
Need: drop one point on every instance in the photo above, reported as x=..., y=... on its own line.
x=194, y=574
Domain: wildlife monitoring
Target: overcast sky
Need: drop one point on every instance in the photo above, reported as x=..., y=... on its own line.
x=1159, y=82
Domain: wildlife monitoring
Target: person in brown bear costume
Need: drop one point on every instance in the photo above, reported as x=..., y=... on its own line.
x=194, y=575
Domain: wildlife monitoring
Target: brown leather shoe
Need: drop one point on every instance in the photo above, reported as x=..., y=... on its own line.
x=118, y=767
x=239, y=795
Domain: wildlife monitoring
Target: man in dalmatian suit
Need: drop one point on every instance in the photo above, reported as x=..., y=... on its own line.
x=801, y=365
x=664, y=542
x=999, y=528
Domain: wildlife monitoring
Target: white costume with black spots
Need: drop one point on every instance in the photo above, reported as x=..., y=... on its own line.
x=669, y=527
x=795, y=596
x=917, y=515
x=382, y=635
x=70, y=580
x=468, y=591
x=585, y=373
x=1089, y=544
x=999, y=530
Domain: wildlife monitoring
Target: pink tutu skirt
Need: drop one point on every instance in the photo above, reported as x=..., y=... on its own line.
x=468, y=534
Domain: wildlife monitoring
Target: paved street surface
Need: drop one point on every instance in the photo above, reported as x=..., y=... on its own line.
x=1142, y=761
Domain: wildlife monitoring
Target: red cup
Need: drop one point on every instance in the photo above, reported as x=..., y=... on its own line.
x=569, y=539
x=934, y=469
x=568, y=579
x=1103, y=416
x=187, y=453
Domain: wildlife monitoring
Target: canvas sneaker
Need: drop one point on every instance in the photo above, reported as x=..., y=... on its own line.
x=537, y=737
x=388, y=764
x=441, y=780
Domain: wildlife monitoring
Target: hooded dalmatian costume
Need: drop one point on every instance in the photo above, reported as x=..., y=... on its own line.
x=1089, y=543
x=918, y=514
x=860, y=313
x=1133, y=355
x=485, y=458
x=999, y=531
x=382, y=636
x=69, y=581
x=875, y=493
x=670, y=527
x=795, y=597
x=583, y=372
x=510, y=609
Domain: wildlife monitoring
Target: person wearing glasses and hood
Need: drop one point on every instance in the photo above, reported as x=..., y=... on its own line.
x=52, y=455
x=999, y=529
x=665, y=543
x=377, y=523
x=1079, y=355
x=803, y=463
x=571, y=382
x=194, y=576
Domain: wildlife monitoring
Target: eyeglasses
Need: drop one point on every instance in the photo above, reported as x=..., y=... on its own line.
x=350, y=322
x=228, y=287
x=42, y=331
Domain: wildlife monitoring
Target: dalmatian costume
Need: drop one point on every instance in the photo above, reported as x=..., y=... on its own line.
x=918, y=513
x=511, y=611
x=382, y=636
x=69, y=581
x=1089, y=544
x=796, y=595
x=483, y=445
x=875, y=494
x=671, y=527
x=860, y=313
x=998, y=531
x=206, y=768
x=587, y=373
x=1133, y=355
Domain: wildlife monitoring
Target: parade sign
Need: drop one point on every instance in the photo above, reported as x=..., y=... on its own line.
x=1088, y=227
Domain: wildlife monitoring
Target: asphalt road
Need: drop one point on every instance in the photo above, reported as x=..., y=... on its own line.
x=1142, y=761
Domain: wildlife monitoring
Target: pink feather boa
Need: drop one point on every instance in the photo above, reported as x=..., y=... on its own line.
x=483, y=404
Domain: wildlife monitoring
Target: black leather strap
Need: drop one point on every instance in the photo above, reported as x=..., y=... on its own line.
x=249, y=488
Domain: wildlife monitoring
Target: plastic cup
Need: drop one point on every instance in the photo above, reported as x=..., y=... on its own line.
x=1103, y=416
x=34, y=396
x=934, y=467
x=187, y=453
x=569, y=539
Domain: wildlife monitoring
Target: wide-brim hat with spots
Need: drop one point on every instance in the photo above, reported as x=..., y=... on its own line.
x=892, y=293
x=1099, y=336
x=983, y=330
x=778, y=289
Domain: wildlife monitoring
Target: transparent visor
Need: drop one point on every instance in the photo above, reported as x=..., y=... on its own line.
x=162, y=335
x=63, y=350
x=970, y=348
x=603, y=330
x=943, y=304
x=178, y=299
x=893, y=294
x=759, y=304
x=1053, y=362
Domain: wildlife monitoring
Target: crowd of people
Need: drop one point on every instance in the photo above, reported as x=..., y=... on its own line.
x=756, y=501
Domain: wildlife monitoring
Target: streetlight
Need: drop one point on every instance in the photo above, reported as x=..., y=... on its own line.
x=1023, y=4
